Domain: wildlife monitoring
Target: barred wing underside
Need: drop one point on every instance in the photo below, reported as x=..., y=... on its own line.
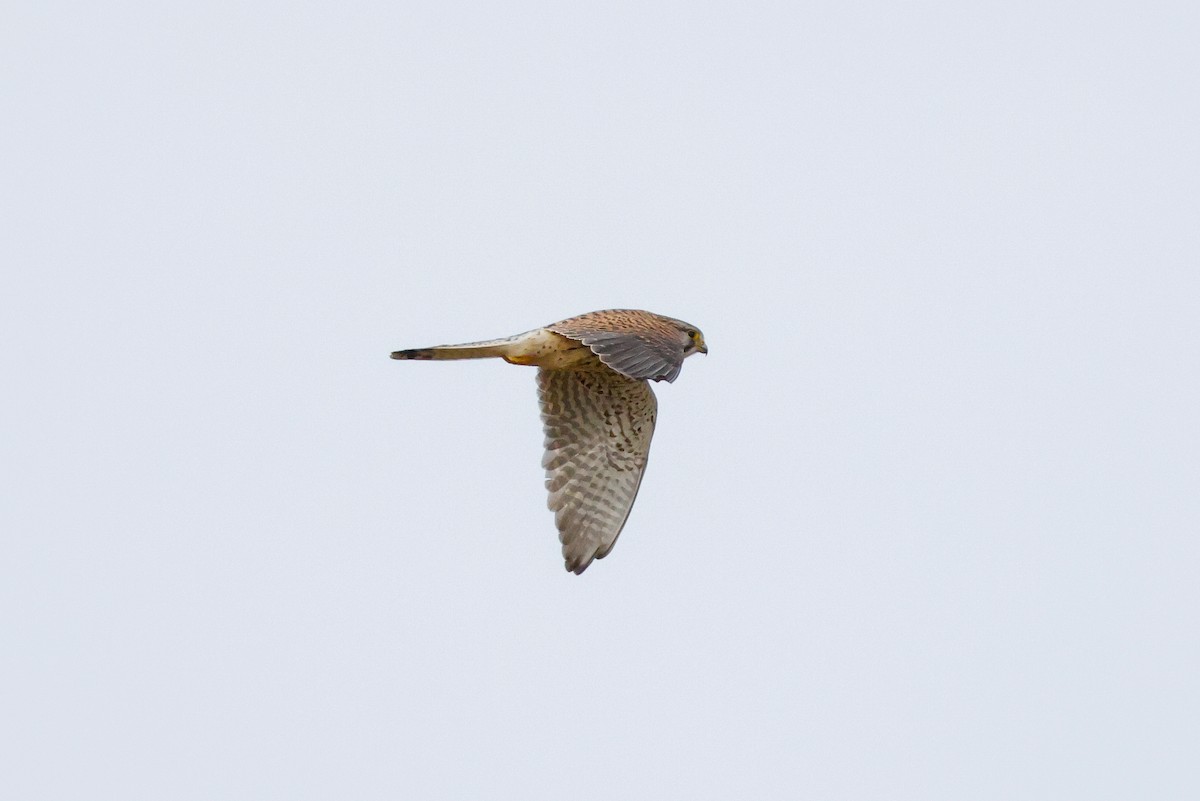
x=598, y=425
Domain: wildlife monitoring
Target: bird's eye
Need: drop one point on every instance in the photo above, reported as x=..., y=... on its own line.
x=693, y=334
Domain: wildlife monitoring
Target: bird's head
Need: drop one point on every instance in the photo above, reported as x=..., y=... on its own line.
x=693, y=339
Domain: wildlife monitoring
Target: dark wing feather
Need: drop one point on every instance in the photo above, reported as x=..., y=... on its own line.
x=636, y=344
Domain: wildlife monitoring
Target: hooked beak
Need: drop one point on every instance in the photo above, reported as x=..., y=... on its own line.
x=702, y=348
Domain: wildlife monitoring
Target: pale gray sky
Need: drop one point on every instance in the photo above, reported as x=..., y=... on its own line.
x=922, y=526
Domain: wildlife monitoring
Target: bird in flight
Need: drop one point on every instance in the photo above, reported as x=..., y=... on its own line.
x=598, y=411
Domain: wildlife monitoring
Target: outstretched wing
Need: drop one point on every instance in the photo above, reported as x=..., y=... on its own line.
x=635, y=343
x=598, y=426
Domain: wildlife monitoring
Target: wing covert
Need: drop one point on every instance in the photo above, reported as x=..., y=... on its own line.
x=636, y=344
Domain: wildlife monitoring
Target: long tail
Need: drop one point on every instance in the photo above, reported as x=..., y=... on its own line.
x=492, y=348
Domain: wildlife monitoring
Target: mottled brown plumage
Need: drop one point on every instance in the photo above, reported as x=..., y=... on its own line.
x=598, y=411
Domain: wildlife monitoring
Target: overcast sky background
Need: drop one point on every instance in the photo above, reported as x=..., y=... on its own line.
x=923, y=525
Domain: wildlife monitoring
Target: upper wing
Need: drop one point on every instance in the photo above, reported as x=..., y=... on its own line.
x=635, y=343
x=598, y=426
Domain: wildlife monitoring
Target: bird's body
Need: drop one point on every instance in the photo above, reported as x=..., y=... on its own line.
x=598, y=411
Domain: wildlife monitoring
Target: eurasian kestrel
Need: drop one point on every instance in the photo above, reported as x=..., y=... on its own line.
x=598, y=411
